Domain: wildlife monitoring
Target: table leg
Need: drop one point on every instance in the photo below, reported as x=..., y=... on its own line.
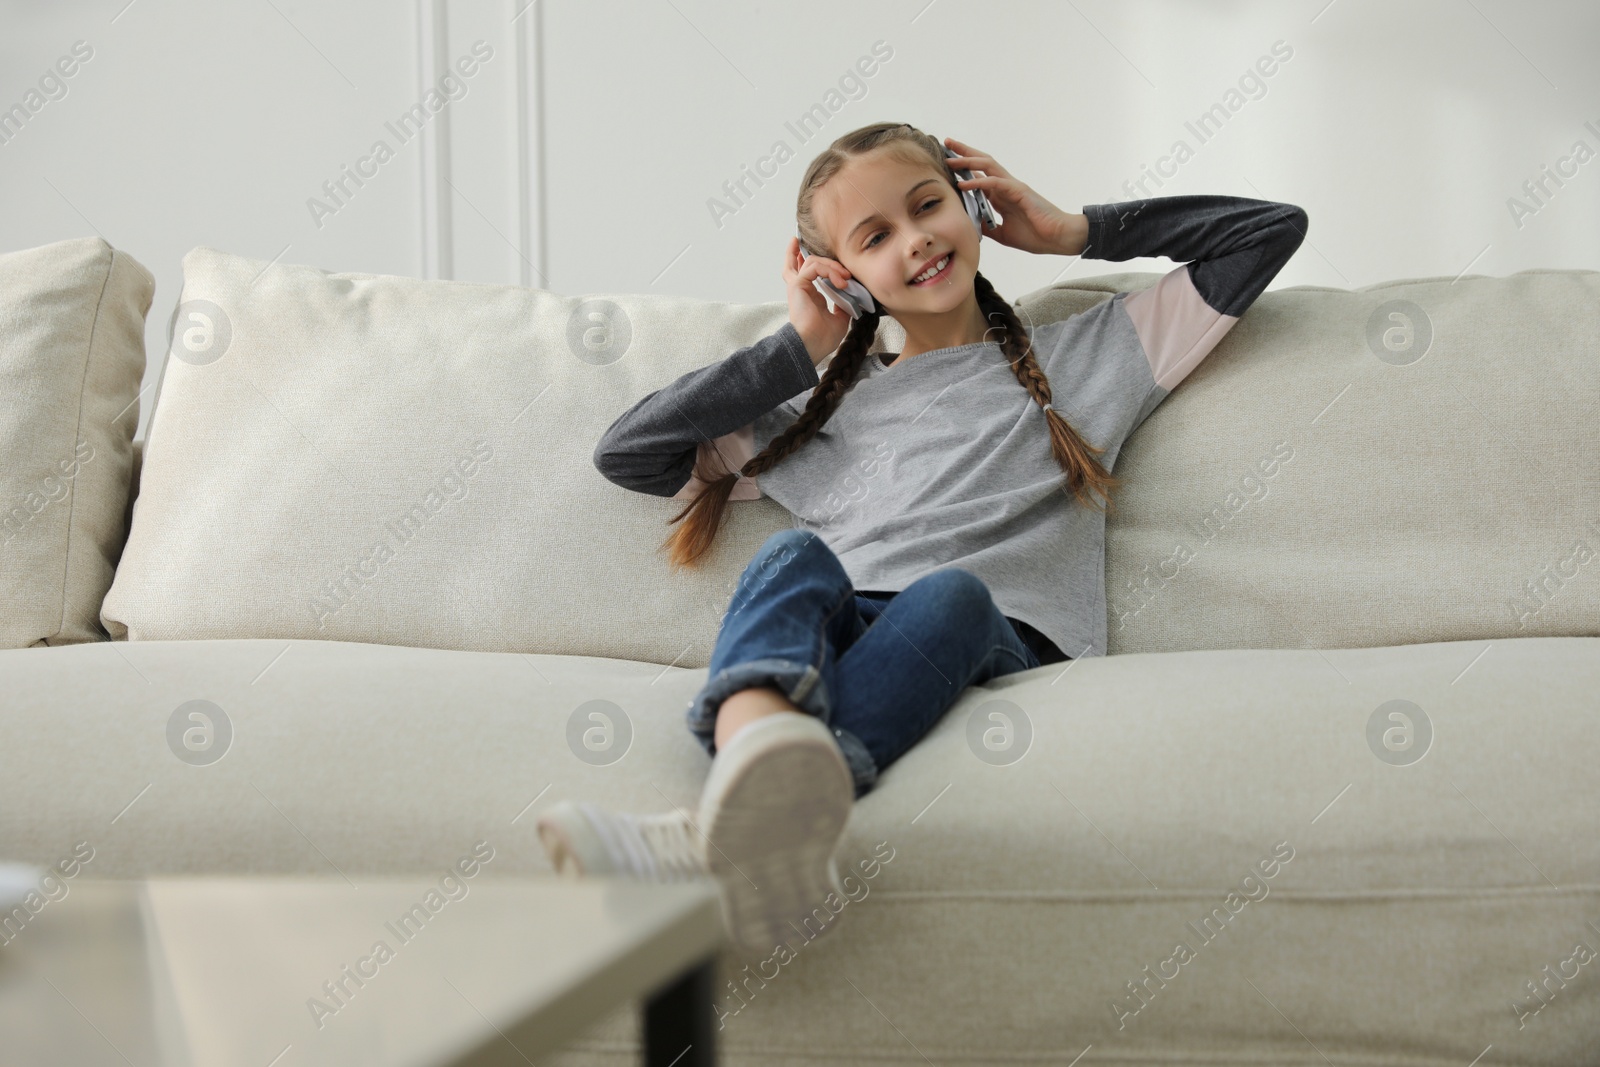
x=678, y=1018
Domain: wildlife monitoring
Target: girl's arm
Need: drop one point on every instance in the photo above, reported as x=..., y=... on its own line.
x=1236, y=245
x=653, y=446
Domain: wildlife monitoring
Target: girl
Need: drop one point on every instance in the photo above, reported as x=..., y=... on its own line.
x=947, y=527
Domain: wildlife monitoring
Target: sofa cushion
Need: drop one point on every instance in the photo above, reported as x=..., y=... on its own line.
x=72, y=317
x=1409, y=461
x=403, y=461
x=397, y=460
x=1369, y=852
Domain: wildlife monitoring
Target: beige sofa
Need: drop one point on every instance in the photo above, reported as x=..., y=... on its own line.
x=1332, y=797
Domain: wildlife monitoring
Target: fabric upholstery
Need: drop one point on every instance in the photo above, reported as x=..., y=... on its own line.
x=1020, y=898
x=440, y=434
x=1299, y=491
x=1379, y=848
x=72, y=318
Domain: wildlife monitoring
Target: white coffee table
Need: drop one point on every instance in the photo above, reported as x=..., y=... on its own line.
x=289, y=972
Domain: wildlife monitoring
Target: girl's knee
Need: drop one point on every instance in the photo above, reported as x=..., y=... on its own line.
x=794, y=539
x=957, y=591
x=786, y=546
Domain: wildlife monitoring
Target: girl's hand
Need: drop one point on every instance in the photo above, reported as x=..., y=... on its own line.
x=821, y=330
x=1032, y=223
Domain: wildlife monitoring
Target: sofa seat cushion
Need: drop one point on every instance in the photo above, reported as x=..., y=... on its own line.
x=1339, y=894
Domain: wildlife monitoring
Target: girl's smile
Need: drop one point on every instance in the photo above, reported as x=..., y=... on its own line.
x=940, y=268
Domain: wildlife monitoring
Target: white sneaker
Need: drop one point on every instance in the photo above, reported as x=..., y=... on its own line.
x=585, y=839
x=774, y=807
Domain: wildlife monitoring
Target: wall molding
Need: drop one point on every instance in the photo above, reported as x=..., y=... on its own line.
x=433, y=60
x=527, y=29
x=525, y=22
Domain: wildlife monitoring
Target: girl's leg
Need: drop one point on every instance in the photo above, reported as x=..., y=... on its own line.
x=796, y=625
x=781, y=787
x=792, y=615
x=938, y=636
x=779, y=794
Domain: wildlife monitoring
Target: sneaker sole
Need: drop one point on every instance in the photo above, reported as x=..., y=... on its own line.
x=773, y=814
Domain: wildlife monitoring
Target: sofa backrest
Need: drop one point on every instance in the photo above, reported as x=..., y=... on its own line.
x=1407, y=462
x=406, y=461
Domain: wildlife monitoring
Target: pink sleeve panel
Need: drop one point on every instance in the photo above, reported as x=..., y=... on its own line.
x=728, y=452
x=1176, y=326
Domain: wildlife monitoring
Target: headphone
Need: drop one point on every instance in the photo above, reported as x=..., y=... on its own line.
x=855, y=299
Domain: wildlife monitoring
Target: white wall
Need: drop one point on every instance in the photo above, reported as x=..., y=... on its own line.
x=584, y=154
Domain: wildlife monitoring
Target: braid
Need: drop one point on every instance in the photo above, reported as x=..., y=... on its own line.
x=692, y=540
x=841, y=376
x=1085, y=475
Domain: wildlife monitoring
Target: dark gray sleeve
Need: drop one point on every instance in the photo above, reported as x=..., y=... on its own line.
x=651, y=447
x=1236, y=245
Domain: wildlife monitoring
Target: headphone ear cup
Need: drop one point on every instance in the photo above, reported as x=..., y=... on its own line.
x=863, y=298
x=978, y=207
x=854, y=298
x=970, y=198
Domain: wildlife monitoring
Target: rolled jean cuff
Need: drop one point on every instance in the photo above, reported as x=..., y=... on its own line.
x=804, y=687
x=863, y=768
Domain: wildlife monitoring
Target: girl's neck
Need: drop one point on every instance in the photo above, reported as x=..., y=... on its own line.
x=963, y=325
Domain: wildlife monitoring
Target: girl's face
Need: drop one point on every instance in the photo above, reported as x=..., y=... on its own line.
x=892, y=221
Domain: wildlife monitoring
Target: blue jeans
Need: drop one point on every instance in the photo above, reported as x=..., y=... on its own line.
x=797, y=623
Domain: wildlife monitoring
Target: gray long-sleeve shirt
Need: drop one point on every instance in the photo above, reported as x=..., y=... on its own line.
x=944, y=460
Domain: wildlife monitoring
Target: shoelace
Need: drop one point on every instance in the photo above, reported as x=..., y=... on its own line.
x=674, y=844
x=660, y=847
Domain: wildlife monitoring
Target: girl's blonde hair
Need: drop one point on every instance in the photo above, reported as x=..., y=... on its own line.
x=1085, y=475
